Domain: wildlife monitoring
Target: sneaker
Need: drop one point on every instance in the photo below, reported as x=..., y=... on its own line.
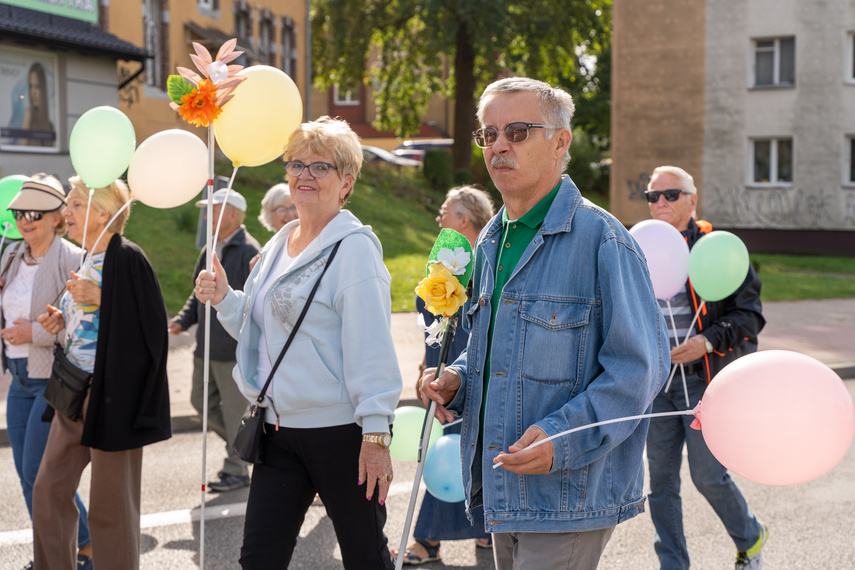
x=752, y=559
x=228, y=483
x=29, y=565
x=84, y=562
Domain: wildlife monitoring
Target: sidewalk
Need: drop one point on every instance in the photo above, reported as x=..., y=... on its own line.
x=824, y=330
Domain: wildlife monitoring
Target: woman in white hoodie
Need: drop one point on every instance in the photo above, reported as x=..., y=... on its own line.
x=331, y=402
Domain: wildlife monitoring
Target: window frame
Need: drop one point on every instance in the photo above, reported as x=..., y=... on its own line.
x=773, y=181
x=849, y=71
x=348, y=100
x=776, y=62
x=849, y=162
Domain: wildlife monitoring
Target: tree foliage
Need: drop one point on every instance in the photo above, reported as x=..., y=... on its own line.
x=454, y=48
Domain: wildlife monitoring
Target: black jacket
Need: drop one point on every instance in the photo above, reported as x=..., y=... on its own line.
x=237, y=254
x=732, y=324
x=129, y=398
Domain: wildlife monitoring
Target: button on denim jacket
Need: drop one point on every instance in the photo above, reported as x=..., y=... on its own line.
x=578, y=339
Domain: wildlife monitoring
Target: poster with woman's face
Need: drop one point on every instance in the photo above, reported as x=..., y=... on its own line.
x=28, y=101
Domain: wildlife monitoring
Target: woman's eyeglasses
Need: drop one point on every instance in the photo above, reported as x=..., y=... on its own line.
x=316, y=169
x=29, y=215
x=515, y=133
x=670, y=195
x=281, y=210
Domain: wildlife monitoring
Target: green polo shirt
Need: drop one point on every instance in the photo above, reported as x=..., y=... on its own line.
x=516, y=235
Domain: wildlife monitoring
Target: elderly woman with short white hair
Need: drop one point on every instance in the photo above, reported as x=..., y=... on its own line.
x=277, y=208
x=330, y=404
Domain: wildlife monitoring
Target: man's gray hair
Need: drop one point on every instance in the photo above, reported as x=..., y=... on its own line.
x=556, y=105
x=685, y=178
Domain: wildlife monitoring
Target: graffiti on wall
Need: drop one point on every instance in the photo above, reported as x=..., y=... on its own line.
x=130, y=93
x=779, y=207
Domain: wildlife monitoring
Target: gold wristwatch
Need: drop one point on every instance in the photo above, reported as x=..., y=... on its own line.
x=382, y=439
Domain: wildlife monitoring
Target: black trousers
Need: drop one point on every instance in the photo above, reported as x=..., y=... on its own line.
x=297, y=464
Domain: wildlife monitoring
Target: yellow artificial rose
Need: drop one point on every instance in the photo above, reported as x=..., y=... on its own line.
x=441, y=291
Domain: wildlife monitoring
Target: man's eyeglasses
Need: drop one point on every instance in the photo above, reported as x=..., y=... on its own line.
x=29, y=215
x=671, y=195
x=486, y=137
x=316, y=169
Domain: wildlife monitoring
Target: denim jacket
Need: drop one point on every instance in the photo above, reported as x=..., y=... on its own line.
x=578, y=339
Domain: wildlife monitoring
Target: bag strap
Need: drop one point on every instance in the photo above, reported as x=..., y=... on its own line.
x=297, y=324
x=11, y=258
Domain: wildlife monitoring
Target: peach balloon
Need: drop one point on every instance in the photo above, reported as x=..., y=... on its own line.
x=778, y=417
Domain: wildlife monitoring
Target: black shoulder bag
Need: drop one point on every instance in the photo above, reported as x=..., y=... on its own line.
x=247, y=444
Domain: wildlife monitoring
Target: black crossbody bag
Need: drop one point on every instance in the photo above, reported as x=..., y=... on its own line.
x=247, y=444
x=67, y=386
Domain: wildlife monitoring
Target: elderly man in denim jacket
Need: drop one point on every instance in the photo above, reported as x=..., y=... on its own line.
x=565, y=332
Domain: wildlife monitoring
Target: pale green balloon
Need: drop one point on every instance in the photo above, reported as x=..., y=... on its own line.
x=407, y=431
x=101, y=146
x=9, y=188
x=718, y=265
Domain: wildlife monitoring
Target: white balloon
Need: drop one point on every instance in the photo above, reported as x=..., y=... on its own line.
x=168, y=169
x=667, y=256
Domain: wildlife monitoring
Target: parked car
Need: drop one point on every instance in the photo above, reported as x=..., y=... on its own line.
x=415, y=148
x=377, y=154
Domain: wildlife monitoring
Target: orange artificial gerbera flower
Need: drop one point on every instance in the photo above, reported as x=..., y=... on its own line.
x=200, y=106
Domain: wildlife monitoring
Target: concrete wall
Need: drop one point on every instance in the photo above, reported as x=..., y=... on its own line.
x=657, y=97
x=818, y=114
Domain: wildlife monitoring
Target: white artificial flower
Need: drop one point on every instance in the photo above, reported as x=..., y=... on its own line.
x=455, y=261
x=217, y=71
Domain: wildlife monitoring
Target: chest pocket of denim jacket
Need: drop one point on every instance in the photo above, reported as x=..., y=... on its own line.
x=554, y=340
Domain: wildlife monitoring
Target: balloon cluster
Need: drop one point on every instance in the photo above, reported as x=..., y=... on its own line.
x=443, y=473
x=717, y=264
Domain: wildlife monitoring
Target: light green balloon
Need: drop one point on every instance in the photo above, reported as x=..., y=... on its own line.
x=101, y=146
x=9, y=188
x=718, y=265
x=407, y=431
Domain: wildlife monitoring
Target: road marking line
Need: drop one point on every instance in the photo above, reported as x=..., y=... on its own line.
x=184, y=516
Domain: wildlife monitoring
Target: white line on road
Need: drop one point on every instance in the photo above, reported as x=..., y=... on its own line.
x=184, y=516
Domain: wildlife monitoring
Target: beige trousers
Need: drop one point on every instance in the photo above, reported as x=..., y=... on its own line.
x=114, y=501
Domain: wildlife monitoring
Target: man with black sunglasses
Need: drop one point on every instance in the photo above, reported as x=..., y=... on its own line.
x=725, y=330
x=565, y=332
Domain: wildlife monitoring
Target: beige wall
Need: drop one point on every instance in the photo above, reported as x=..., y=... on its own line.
x=657, y=97
x=148, y=107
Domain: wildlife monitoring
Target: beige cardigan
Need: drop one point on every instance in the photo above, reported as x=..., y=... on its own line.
x=54, y=270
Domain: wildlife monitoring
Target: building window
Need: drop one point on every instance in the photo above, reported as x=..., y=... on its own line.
x=850, y=180
x=850, y=58
x=243, y=22
x=349, y=98
x=266, y=39
x=209, y=8
x=775, y=62
x=154, y=35
x=772, y=161
x=289, y=47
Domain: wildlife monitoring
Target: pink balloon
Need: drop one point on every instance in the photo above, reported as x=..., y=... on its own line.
x=778, y=417
x=667, y=256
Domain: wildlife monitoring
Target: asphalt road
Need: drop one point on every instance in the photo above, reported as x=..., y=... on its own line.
x=811, y=525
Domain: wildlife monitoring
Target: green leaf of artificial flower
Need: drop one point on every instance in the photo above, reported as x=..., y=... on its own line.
x=178, y=87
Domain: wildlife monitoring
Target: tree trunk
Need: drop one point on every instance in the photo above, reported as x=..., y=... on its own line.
x=464, y=100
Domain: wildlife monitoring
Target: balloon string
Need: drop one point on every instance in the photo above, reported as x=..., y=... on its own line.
x=85, y=227
x=676, y=342
x=226, y=201
x=106, y=227
x=569, y=431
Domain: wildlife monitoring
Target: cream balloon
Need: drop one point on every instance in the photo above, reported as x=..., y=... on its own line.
x=168, y=169
x=255, y=125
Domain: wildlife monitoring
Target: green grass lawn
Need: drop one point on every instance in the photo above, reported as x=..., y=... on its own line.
x=401, y=208
x=793, y=277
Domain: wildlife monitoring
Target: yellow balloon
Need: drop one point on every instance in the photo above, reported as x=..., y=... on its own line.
x=255, y=125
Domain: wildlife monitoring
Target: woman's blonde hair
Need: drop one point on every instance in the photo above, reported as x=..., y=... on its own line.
x=108, y=199
x=472, y=201
x=329, y=136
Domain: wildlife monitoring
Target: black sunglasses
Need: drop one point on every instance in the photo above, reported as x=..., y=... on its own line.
x=515, y=133
x=671, y=195
x=29, y=215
